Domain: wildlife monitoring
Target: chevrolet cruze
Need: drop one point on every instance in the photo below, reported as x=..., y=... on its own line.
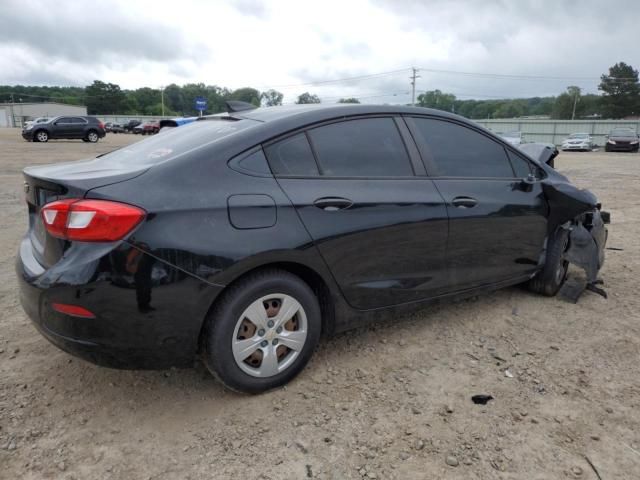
x=243, y=237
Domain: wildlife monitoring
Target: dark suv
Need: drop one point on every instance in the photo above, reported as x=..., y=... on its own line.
x=88, y=129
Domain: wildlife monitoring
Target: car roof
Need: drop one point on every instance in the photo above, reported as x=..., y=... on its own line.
x=307, y=112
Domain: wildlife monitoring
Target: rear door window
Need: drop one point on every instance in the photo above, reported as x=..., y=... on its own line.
x=368, y=147
x=458, y=151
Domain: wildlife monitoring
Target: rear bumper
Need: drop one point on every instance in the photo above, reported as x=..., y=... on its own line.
x=140, y=326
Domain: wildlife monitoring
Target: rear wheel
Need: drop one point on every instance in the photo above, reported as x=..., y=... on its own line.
x=262, y=332
x=92, y=136
x=549, y=280
x=41, y=136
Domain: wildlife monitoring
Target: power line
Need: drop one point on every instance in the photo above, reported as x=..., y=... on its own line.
x=340, y=80
x=524, y=77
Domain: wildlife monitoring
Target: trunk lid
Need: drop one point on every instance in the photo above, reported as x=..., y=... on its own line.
x=48, y=183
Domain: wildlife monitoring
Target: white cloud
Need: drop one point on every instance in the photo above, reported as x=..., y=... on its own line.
x=286, y=42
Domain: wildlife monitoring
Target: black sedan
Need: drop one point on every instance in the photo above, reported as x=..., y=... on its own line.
x=244, y=236
x=622, y=140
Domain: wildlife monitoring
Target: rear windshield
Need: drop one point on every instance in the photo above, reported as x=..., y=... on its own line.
x=172, y=143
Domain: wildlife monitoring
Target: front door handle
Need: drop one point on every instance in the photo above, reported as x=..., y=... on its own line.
x=464, y=202
x=331, y=204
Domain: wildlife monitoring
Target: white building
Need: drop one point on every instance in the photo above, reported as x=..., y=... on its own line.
x=14, y=114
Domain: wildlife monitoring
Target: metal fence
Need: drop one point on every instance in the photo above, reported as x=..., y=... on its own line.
x=555, y=131
x=122, y=119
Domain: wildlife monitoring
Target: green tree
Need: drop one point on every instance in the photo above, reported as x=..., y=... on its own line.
x=620, y=91
x=349, y=100
x=437, y=99
x=104, y=98
x=174, y=99
x=307, y=97
x=271, y=98
x=247, y=94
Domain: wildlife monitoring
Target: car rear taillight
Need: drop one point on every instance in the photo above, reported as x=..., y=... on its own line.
x=90, y=220
x=73, y=310
x=101, y=125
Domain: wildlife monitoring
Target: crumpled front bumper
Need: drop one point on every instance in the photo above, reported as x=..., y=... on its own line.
x=587, y=242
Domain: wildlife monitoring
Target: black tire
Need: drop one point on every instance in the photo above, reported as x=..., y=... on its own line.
x=552, y=276
x=92, y=136
x=221, y=323
x=85, y=140
x=41, y=136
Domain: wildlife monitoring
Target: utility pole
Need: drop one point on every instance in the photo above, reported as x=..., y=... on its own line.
x=414, y=75
x=575, y=101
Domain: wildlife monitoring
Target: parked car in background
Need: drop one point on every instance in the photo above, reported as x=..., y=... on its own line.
x=514, y=138
x=622, y=140
x=175, y=122
x=147, y=128
x=37, y=120
x=87, y=129
x=130, y=125
x=107, y=126
x=116, y=128
x=578, y=141
x=243, y=236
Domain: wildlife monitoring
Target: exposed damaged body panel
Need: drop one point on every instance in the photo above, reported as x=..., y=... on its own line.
x=577, y=211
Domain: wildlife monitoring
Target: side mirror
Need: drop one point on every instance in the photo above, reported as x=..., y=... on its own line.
x=527, y=183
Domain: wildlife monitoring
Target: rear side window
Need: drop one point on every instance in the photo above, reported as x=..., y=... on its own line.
x=292, y=156
x=458, y=151
x=369, y=147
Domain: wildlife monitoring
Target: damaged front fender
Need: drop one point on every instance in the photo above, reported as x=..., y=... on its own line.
x=579, y=212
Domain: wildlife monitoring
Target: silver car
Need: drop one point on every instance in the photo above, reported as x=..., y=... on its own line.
x=578, y=141
x=514, y=138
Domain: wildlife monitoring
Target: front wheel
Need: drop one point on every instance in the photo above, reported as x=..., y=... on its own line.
x=262, y=332
x=42, y=136
x=554, y=272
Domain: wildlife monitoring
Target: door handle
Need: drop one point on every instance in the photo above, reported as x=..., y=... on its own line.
x=464, y=202
x=331, y=204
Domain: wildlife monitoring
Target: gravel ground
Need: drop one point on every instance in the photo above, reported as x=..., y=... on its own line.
x=389, y=401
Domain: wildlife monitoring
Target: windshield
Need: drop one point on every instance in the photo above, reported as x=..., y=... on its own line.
x=623, y=133
x=173, y=143
x=579, y=135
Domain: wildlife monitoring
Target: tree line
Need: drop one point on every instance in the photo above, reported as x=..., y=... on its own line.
x=620, y=98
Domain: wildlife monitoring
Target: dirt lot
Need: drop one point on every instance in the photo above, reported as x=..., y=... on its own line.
x=390, y=401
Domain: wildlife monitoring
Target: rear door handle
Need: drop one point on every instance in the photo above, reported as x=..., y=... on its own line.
x=331, y=204
x=464, y=202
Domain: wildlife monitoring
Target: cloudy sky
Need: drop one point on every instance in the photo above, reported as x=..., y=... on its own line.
x=473, y=48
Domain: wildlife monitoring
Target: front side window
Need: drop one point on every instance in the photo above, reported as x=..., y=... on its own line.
x=458, y=151
x=369, y=147
x=521, y=167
